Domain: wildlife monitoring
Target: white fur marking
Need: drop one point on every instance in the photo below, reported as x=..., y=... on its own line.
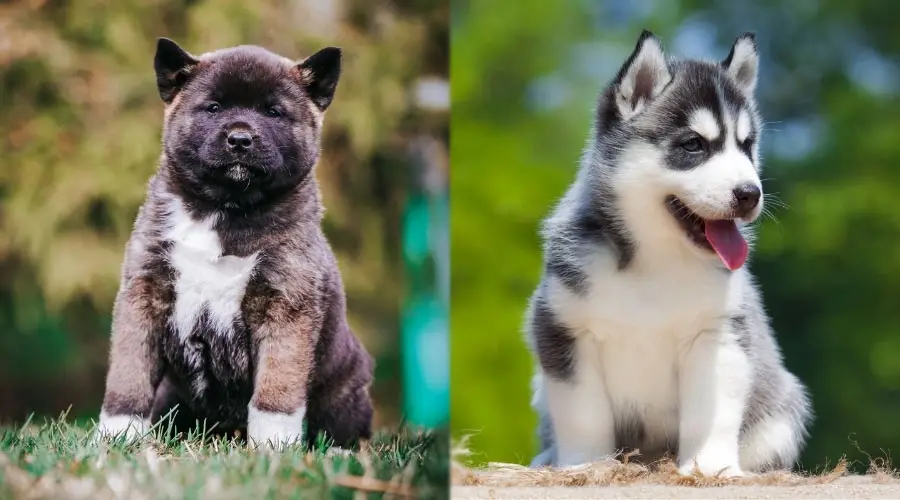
x=743, y=126
x=205, y=276
x=131, y=426
x=275, y=429
x=704, y=123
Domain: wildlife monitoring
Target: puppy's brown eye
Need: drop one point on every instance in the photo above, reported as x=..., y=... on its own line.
x=692, y=145
x=273, y=112
x=213, y=107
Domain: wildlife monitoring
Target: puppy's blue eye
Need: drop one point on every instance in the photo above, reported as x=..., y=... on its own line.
x=693, y=145
x=273, y=112
x=213, y=107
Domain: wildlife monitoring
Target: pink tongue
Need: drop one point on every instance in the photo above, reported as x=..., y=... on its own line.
x=725, y=239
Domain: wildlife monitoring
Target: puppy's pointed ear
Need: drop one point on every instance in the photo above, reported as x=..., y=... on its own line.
x=319, y=74
x=643, y=76
x=742, y=63
x=173, y=67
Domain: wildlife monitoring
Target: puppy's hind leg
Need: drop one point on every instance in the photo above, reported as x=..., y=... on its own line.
x=773, y=439
x=340, y=405
x=345, y=419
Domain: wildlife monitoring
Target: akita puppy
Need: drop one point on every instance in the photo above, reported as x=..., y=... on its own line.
x=231, y=305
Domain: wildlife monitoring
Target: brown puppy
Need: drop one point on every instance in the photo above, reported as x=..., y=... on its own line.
x=230, y=303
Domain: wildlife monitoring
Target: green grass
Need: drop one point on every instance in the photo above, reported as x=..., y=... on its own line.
x=60, y=459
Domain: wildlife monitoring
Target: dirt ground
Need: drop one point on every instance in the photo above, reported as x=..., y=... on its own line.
x=851, y=487
x=621, y=479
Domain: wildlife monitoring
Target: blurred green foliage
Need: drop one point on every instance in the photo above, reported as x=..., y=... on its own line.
x=80, y=123
x=526, y=75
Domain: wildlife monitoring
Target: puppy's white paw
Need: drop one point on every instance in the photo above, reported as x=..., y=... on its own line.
x=133, y=427
x=711, y=468
x=337, y=451
x=275, y=430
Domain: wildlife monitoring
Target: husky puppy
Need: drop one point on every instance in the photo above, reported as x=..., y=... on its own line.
x=649, y=330
x=230, y=304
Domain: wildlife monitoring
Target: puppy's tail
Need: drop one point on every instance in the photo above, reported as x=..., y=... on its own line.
x=545, y=458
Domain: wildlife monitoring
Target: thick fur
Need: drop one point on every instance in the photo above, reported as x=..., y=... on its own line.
x=644, y=339
x=231, y=305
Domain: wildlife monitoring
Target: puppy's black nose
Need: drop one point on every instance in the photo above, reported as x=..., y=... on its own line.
x=747, y=197
x=239, y=140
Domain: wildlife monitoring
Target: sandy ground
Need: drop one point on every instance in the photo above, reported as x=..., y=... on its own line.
x=627, y=479
x=850, y=487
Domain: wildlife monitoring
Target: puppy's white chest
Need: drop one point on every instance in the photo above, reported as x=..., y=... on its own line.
x=206, y=281
x=670, y=303
x=633, y=328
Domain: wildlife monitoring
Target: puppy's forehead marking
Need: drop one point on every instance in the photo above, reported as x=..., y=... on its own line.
x=742, y=130
x=704, y=122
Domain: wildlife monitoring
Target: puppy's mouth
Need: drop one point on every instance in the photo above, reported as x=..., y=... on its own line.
x=715, y=235
x=237, y=172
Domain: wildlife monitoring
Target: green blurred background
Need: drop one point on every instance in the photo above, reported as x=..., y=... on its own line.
x=80, y=123
x=526, y=74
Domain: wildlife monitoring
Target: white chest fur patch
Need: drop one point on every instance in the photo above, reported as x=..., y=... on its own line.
x=206, y=278
x=641, y=322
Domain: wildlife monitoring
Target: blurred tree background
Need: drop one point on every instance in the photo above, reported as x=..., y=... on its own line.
x=80, y=122
x=526, y=75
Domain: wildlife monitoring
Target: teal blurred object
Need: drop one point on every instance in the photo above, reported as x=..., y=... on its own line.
x=424, y=324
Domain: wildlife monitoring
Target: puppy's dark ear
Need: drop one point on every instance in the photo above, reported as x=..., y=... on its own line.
x=173, y=67
x=643, y=76
x=319, y=74
x=742, y=63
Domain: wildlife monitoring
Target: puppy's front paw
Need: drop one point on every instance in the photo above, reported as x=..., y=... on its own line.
x=132, y=427
x=711, y=468
x=274, y=429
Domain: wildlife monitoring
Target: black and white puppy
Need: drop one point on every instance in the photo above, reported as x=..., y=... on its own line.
x=649, y=330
